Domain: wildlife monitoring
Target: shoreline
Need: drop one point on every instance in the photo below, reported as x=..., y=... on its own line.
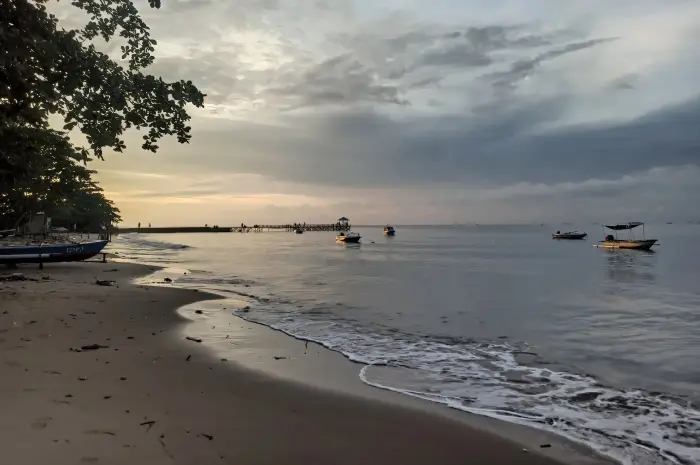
x=309, y=363
x=150, y=395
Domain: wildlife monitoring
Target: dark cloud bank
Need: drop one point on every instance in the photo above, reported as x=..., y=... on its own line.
x=494, y=148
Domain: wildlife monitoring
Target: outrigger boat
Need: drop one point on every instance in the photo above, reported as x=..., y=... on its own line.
x=349, y=238
x=569, y=235
x=49, y=252
x=613, y=242
x=389, y=231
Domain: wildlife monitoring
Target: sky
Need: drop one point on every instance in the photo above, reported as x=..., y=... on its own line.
x=417, y=112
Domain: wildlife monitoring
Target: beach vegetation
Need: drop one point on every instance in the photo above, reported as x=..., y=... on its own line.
x=57, y=86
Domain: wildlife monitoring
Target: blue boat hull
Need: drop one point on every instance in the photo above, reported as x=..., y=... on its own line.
x=51, y=253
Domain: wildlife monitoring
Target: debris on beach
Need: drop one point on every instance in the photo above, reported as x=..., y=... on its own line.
x=100, y=431
x=111, y=271
x=193, y=339
x=92, y=347
x=82, y=378
x=149, y=424
x=198, y=312
x=105, y=282
x=545, y=446
x=168, y=280
x=188, y=358
x=279, y=358
x=16, y=277
x=208, y=436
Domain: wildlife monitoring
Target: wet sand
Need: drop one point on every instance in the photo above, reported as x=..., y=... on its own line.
x=148, y=395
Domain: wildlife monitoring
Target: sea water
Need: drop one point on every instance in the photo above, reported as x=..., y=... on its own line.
x=600, y=346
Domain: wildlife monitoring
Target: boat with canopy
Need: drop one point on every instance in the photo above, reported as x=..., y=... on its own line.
x=614, y=242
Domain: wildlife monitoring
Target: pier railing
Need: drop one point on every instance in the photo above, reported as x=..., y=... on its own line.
x=243, y=228
x=293, y=227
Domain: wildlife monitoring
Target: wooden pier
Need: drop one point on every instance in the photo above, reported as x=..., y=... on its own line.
x=176, y=229
x=343, y=224
x=293, y=227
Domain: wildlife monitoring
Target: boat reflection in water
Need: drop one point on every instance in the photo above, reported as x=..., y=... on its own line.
x=630, y=267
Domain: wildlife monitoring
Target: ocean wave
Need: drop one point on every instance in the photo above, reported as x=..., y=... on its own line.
x=136, y=240
x=491, y=378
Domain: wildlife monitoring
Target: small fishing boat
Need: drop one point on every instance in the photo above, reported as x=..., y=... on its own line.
x=569, y=235
x=348, y=238
x=299, y=231
x=613, y=242
x=389, y=231
x=47, y=252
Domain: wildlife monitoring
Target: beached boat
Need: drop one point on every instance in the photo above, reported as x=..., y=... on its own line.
x=348, y=238
x=49, y=252
x=569, y=235
x=389, y=231
x=613, y=242
x=299, y=231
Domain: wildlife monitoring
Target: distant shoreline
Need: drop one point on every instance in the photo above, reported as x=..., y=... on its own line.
x=225, y=229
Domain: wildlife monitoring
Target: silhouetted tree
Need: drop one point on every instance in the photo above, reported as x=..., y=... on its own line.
x=47, y=71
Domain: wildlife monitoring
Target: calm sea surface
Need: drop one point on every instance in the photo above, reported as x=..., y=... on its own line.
x=600, y=346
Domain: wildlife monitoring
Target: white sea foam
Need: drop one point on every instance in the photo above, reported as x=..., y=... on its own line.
x=486, y=378
x=139, y=241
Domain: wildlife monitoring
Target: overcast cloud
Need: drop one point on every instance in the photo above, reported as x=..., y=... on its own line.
x=471, y=111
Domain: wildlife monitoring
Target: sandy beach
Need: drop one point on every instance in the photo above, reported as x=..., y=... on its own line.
x=104, y=374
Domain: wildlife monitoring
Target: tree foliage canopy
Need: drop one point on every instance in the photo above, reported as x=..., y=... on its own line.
x=47, y=70
x=86, y=209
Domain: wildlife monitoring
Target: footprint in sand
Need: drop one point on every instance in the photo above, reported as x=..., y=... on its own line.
x=41, y=423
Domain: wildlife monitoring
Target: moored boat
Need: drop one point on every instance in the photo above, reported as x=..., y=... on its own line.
x=569, y=235
x=50, y=252
x=613, y=242
x=348, y=238
x=389, y=231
